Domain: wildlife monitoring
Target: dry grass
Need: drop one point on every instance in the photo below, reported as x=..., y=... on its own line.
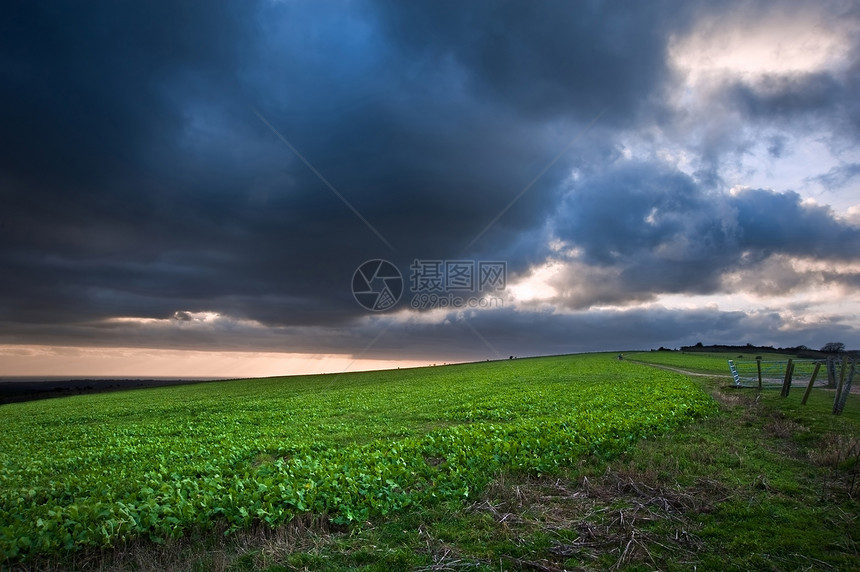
x=834, y=449
x=444, y=555
x=624, y=514
x=841, y=454
x=260, y=547
x=782, y=427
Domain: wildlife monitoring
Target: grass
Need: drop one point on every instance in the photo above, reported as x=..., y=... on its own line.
x=762, y=483
x=701, y=362
x=92, y=472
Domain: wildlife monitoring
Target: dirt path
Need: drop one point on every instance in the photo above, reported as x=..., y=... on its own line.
x=683, y=371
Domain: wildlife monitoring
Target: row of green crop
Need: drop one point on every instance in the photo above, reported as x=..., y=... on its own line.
x=125, y=487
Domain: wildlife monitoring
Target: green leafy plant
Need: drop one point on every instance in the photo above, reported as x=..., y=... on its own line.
x=92, y=471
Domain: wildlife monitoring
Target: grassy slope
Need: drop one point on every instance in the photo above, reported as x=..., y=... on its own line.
x=766, y=484
x=90, y=471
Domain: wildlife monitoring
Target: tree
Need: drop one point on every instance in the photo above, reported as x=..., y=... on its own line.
x=833, y=347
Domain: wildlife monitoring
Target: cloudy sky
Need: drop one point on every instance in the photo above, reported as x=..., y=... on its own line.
x=188, y=188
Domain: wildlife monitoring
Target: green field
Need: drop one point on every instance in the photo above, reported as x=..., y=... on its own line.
x=92, y=471
x=704, y=362
x=581, y=462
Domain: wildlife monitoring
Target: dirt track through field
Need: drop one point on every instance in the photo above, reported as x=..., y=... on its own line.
x=679, y=370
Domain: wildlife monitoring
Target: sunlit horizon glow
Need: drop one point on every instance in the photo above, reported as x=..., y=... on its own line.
x=107, y=362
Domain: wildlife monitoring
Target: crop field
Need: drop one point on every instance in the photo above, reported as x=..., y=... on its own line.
x=97, y=470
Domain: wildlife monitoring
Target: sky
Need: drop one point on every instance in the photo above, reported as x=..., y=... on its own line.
x=195, y=188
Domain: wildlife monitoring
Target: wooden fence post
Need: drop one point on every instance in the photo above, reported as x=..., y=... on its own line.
x=811, y=381
x=758, y=367
x=831, y=372
x=841, y=399
x=839, y=384
x=786, y=384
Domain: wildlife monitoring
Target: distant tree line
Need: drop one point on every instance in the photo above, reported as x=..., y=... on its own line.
x=826, y=350
x=833, y=347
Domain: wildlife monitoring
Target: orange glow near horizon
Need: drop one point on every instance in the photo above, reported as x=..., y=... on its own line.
x=62, y=361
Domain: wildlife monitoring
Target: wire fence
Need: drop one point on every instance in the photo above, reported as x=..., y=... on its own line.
x=746, y=373
x=832, y=373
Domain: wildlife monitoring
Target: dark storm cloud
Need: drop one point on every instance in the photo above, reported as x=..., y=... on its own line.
x=644, y=229
x=641, y=328
x=771, y=222
x=465, y=336
x=807, y=99
x=545, y=61
x=135, y=178
x=138, y=180
x=86, y=87
x=518, y=333
x=91, y=214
